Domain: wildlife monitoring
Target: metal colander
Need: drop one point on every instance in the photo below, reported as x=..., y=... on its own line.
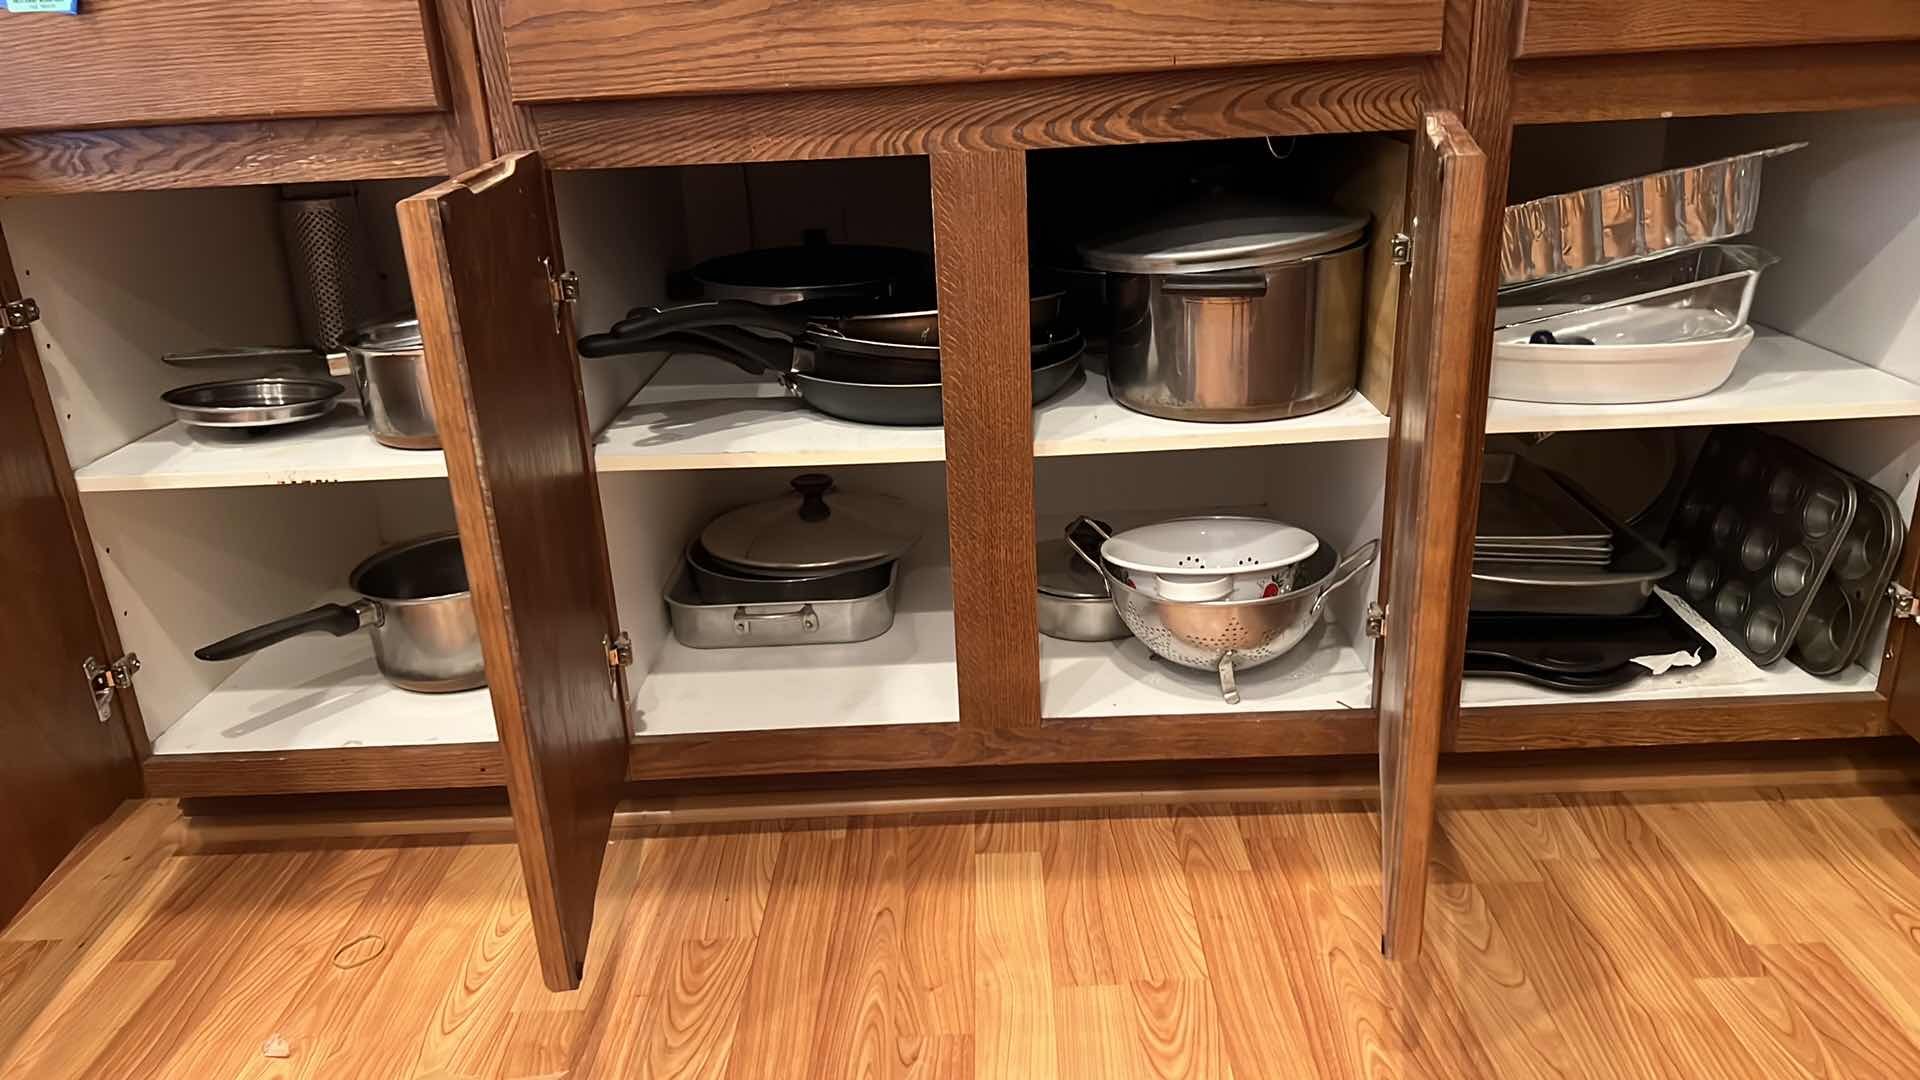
x=333, y=283
x=1225, y=636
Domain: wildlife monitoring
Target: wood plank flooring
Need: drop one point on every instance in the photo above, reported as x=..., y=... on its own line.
x=1744, y=933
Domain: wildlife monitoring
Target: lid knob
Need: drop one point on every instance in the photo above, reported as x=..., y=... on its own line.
x=813, y=488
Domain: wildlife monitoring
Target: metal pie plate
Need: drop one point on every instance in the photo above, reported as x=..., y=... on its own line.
x=252, y=403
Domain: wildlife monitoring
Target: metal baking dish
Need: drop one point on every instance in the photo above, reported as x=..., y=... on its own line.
x=1717, y=280
x=700, y=625
x=1522, y=505
x=1632, y=219
x=1619, y=588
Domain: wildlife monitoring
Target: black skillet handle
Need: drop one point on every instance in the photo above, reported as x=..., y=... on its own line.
x=336, y=619
x=750, y=353
x=701, y=314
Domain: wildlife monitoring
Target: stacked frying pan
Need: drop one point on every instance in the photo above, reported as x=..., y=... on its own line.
x=845, y=329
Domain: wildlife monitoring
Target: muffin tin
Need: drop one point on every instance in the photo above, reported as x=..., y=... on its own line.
x=1759, y=524
x=1835, y=626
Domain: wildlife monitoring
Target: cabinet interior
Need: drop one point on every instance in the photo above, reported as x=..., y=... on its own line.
x=1835, y=365
x=1335, y=490
x=199, y=537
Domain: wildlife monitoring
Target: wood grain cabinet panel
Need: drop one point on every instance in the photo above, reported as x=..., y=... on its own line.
x=572, y=50
x=1590, y=27
x=134, y=63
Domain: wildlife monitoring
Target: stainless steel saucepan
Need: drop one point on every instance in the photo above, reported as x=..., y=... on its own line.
x=415, y=600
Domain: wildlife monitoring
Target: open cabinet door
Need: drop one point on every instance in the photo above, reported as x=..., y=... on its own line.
x=64, y=763
x=483, y=253
x=1438, y=414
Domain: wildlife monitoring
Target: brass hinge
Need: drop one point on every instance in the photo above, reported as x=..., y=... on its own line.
x=619, y=654
x=1402, y=249
x=563, y=287
x=619, y=650
x=105, y=679
x=1905, y=604
x=20, y=314
x=1376, y=620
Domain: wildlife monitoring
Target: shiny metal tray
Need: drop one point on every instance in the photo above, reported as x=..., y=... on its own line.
x=1620, y=587
x=700, y=625
x=1632, y=219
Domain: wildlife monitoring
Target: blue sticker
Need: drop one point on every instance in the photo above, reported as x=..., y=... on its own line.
x=49, y=7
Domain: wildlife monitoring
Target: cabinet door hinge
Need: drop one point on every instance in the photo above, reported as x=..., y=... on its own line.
x=1905, y=604
x=1376, y=620
x=619, y=650
x=619, y=653
x=19, y=314
x=563, y=287
x=1402, y=249
x=105, y=679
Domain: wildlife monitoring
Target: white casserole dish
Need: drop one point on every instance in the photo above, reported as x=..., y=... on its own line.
x=1614, y=371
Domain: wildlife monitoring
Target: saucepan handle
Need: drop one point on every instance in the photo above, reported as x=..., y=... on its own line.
x=336, y=619
x=1076, y=541
x=1346, y=570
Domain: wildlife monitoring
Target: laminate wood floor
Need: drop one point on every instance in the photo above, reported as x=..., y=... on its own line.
x=1738, y=934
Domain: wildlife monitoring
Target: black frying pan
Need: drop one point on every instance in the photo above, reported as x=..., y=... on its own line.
x=884, y=328
x=862, y=388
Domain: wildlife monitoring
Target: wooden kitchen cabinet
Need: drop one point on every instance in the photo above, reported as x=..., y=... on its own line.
x=568, y=50
x=133, y=94
x=627, y=142
x=1611, y=27
x=132, y=63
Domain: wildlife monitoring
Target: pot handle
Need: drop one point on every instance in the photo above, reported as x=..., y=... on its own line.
x=336, y=619
x=1085, y=524
x=1227, y=285
x=1346, y=570
x=700, y=314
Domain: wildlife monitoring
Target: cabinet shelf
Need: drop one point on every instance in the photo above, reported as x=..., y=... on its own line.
x=1780, y=378
x=1728, y=674
x=336, y=449
x=905, y=676
x=1123, y=678
x=323, y=693
x=699, y=414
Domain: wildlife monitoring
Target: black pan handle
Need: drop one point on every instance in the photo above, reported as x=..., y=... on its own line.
x=750, y=353
x=336, y=619
x=700, y=314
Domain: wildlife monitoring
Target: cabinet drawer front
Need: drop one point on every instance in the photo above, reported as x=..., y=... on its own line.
x=130, y=63
x=586, y=49
x=1586, y=27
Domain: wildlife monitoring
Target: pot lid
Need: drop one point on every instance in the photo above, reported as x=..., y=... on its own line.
x=1066, y=575
x=816, y=528
x=1224, y=235
x=387, y=335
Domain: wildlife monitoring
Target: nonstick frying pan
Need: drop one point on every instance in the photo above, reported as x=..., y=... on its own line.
x=861, y=388
x=916, y=328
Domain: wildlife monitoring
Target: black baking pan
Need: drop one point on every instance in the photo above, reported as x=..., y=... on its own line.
x=1578, y=651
